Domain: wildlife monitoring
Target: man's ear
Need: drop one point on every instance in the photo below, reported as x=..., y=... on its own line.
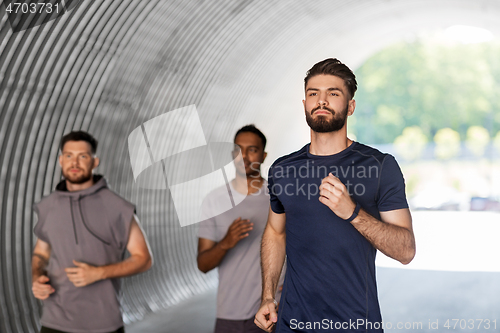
x=96, y=163
x=351, y=107
x=304, y=102
x=265, y=155
x=60, y=160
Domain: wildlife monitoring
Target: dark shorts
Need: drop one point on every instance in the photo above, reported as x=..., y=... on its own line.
x=51, y=330
x=236, y=326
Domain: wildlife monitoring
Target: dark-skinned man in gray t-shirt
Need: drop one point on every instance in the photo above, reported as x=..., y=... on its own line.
x=231, y=241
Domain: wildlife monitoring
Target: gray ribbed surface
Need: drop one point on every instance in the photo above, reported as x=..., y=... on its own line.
x=108, y=66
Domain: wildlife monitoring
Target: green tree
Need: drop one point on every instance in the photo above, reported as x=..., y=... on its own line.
x=447, y=144
x=429, y=84
x=411, y=144
x=477, y=140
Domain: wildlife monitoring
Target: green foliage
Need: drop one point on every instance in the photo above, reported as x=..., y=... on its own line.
x=428, y=84
x=477, y=140
x=447, y=143
x=411, y=144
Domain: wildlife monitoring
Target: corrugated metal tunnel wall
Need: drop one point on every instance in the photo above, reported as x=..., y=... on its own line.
x=109, y=66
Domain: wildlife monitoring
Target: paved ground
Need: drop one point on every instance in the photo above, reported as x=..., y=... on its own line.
x=407, y=297
x=195, y=315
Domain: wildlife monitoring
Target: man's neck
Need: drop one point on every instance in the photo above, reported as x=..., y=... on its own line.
x=248, y=184
x=330, y=143
x=79, y=187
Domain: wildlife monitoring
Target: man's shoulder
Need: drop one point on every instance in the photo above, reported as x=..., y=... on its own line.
x=46, y=202
x=221, y=191
x=291, y=157
x=216, y=195
x=370, y=152
x=113, y=199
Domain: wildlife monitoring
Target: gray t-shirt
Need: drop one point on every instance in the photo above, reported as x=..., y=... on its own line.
x=240, y=281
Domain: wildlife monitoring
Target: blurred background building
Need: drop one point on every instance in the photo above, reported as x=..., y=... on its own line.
x=428, y=74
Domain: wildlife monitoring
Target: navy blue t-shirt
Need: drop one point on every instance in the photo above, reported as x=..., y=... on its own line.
x=330, y=282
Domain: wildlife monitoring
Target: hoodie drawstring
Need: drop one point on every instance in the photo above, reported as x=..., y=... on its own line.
x=86, y=227
x=73, y=219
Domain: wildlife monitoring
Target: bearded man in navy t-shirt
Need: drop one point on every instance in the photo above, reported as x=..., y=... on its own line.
x=334, y=203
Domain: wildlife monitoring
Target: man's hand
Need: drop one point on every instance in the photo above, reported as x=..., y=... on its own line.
x=83, y=274
x=334, y=194
x=39, y=262
x=41, y=289
x=238, y=230
x=266, y=317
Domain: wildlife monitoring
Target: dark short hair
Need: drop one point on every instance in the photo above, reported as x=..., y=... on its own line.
x=79, y=136
x=252, y=129
x=333, y=66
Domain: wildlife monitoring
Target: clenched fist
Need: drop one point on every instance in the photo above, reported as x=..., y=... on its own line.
x=267, y=316
x=333, y=193
x=41, y=289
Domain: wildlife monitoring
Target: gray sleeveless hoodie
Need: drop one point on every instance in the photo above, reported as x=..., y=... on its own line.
x=90, y=226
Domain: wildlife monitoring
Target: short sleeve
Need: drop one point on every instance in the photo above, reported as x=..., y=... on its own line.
x=208, y=228
x=276, y=204
x=391, y=193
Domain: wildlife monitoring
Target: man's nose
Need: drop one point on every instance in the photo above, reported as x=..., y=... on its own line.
x=322, y=99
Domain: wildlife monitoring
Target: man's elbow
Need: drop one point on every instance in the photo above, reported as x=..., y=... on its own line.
x=202, y=266
x=202, y=269
x=147, y=262
x=410, y=254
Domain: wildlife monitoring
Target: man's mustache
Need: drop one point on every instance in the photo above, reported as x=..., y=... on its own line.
x=322, y=108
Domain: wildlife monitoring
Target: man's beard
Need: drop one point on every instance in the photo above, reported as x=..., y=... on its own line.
x=78, y=179
x=322, y=125
x=252, y=172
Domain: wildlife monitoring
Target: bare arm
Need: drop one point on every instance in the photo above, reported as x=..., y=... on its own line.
x=393, y=236
x=39, y=261
x=140, y=260
x=272, y=259
x=211, y=253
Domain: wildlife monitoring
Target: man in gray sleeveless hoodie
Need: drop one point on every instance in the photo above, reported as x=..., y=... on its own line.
x=84, y=230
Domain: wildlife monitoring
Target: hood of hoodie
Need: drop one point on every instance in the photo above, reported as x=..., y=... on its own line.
x=99, y=183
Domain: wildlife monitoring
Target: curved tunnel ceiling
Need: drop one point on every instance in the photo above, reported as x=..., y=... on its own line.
x=109, y=66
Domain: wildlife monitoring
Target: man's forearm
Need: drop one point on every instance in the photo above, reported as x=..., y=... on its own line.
x=392, y=240
x=272, y=259
x=211, y=258
x=132, y=265
x=38, y=265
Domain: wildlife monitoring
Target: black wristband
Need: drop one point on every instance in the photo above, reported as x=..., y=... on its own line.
x=355, y=213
